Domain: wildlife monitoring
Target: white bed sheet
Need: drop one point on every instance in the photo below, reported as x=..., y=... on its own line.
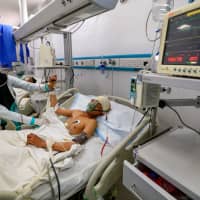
x=121, y=120
x=23, y=167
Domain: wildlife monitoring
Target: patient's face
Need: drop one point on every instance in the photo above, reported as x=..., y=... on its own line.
x=94, y=108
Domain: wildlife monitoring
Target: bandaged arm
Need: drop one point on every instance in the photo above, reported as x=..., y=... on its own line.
x=18, y=83
x=9, y=115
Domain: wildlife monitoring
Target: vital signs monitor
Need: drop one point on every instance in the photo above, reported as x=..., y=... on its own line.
x=180, y=42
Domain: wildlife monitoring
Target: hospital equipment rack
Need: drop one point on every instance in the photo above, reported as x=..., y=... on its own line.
x=171, y=81
x=174, y=156
x=65, y=83
x=56, y=16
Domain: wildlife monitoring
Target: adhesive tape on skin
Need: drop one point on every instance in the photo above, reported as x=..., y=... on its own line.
x=66, y=124
x=49, y=143
x=56, y=107
x=76, y=122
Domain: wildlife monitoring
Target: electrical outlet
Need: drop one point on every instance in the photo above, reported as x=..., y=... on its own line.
x=134, y=62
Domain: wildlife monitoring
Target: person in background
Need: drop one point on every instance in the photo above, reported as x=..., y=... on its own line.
x=8, y=107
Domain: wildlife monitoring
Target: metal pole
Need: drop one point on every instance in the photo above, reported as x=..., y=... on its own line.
x=25, y=55
x=67, y=49
x=18, y=51
x=68, y=58
x=23, y=11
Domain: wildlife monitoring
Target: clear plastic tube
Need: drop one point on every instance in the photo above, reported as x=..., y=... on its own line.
x=160, y=8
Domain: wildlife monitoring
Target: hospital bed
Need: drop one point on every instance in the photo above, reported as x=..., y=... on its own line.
x=97, y=168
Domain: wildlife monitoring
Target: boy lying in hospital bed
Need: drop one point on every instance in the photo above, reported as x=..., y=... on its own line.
x=75, y=166
x=81, y=124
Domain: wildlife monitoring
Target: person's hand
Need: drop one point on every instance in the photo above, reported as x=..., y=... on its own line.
x=40, y=122
x=52, y=82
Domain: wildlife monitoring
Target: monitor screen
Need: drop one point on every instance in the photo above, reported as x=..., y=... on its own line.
x=182, y=41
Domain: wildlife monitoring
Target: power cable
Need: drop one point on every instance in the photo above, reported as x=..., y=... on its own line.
x=57, y=179
x=144, y=115
x=146, y=28
x=181, y=120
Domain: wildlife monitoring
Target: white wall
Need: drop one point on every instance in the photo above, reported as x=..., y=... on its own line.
x=122, y=31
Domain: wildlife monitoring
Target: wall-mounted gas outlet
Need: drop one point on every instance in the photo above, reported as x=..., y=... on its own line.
x=84, y=62
x=76, y=63
x=107, y=62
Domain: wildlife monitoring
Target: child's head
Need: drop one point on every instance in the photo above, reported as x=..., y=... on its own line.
x=98, y=106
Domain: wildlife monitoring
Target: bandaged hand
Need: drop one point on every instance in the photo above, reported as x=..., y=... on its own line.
x=52, y=82
x=80, y=139
x=53, y=100
x=40, y=122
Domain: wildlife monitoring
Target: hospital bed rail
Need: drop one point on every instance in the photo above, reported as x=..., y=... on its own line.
x=109, y=169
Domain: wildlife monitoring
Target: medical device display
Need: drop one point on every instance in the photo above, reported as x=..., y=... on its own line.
x=180, y=49
x=133, y=89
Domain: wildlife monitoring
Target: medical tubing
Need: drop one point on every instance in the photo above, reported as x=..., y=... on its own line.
x=181, y=120
x=57, y=179
x=104, y=145
x=146, y=29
